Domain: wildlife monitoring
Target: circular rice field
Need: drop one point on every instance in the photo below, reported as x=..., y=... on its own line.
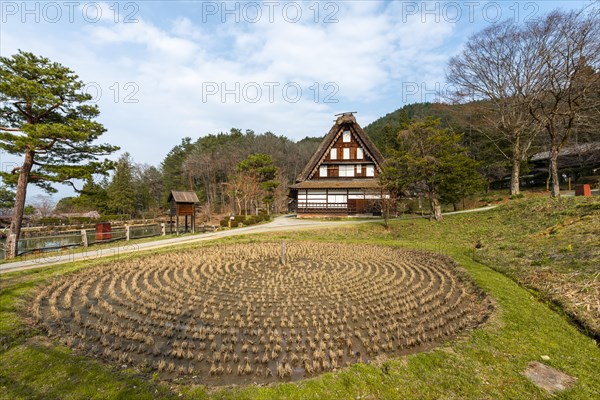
x=236, y=314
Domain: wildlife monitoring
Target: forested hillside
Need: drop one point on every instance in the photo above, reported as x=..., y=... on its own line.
x=215, y=166
x=212, y=165
x=472, y=120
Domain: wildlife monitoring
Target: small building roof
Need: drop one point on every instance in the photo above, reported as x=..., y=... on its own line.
x=184, y=196
x=337, y=184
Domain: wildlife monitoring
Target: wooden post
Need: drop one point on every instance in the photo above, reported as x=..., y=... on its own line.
x=127, y=233
x=163, y=229
x=177, y=224
x=11, y=246
x=171, y=224
x=569, y=184
x=186, y=224
x=194, y=219
x=84, y=240
x=282, y=252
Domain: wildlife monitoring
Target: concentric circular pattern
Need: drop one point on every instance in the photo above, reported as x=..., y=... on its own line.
x=237, y=314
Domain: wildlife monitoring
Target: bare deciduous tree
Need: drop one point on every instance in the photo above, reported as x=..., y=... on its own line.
x=44, y=205
x=498, y=66
x=566, y=99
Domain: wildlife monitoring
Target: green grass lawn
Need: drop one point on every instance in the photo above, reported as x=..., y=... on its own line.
x=549, y=245
x=486, y=363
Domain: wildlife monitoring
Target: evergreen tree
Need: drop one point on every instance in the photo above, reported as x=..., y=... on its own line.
x=121, y=192
x=431, y=160
x=93, y=196
x=174, y=176
x=45, y=119
x=260, y=167
x=7, y=198
x=148, y=185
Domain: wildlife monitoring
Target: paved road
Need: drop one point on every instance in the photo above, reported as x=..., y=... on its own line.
x=284, y=223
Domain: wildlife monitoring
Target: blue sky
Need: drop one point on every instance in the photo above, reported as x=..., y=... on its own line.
x=162, y=70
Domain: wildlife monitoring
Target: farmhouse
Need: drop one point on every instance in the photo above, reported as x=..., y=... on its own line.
x=579, y=161
x=342, y=176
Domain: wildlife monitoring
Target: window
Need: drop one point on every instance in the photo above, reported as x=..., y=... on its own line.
x=346, y=154
x=338, y=200
x=359, y=169
x=346, y=138
x=370, y=170
x=346, y=170
x=359, y=153
x=323, y=171
x=333, y=154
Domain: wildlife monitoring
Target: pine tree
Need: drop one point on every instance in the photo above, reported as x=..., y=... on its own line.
x=172, y=167
x=7, y=198
x=121, y=191
x=45, y=119
x=93, y=196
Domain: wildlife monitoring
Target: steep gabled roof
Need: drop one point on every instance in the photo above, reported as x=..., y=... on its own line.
x=183, y=196
x=343, y=121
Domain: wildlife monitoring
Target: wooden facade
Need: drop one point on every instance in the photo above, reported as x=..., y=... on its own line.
x=342, y=176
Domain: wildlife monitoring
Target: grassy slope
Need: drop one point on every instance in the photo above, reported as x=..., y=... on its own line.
x=486, y=363
x=549, y=245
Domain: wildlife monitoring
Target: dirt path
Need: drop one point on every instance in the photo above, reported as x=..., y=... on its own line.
x=283, y=223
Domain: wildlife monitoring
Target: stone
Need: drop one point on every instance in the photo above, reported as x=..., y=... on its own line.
x=548, y=378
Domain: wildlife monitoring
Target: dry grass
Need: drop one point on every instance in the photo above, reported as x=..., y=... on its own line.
x=235, y=314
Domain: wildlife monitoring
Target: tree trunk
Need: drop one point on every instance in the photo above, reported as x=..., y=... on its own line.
x=436, y=207
x=515, y=175
x=17, y=218
x=385, y=209
x=554, y=180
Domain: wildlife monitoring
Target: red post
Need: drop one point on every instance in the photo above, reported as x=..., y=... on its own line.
x=583, y=190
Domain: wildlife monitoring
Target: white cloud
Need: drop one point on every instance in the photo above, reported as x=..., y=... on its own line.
x=171, y=55
x=172, y=61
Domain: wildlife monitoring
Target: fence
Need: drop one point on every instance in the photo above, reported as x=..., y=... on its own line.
x=83, y=238
x=88, y=237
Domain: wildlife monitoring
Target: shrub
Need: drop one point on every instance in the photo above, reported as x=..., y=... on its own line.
x=113, y=217
x=50, y=221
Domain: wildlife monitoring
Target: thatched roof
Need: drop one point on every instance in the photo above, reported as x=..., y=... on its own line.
x=182, y=196
x=585, y=150
x=345, y=121
x=338, y=184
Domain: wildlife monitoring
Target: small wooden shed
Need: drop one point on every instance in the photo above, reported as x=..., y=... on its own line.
x=183, y=203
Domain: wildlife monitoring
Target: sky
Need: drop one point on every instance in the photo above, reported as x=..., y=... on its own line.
x=163, y=70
